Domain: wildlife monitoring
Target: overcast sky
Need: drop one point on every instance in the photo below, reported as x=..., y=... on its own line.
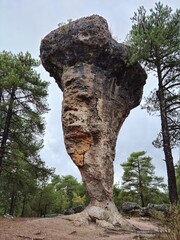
x=23, y=23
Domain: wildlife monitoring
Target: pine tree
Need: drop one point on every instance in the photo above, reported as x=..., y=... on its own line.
x=154, y=41
x=139, y=178
x=22, y=103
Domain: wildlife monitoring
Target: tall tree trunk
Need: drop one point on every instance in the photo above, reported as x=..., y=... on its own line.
x=1, y=95
x=39, y=211
x=141, y=194
x=172, y=187
x=140, y=185
x=23, y=206
x=12, y=203
x=45, y=210
x=6, y=128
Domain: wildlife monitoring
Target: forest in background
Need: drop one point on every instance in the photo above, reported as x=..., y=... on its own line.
x=27, y=186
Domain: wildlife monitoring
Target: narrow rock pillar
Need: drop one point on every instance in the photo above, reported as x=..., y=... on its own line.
x=99, y=90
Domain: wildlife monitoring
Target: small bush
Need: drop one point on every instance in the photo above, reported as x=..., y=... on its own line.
x=170, y=223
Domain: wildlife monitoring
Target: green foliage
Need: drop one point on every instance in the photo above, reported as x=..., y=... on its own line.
x=117, y=196
x=78, y=200
x=73, y=193
x=154, y=42
x=42, y=197
x=25, y=187
x=22, y=103
x=155, y=35
x=19, y=188
x=170, y=223
x=139, y=181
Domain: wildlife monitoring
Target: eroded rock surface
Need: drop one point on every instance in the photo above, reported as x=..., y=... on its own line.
x=99, y=90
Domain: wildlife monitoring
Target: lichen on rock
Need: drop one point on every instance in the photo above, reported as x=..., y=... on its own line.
x=99, y=90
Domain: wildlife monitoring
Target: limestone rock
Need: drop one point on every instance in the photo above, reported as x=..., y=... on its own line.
x=99, y=90
x=129, y=206
x=74, y=210
x=97, y=213
x=152, y=208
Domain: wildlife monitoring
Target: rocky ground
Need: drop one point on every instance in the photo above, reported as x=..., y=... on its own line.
x=58, y=228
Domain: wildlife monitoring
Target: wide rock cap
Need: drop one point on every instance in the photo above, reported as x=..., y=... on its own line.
x=88, y=40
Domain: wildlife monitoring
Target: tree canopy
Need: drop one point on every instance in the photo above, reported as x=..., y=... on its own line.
x=22, y=105
x=139, y=178
x=154, y=42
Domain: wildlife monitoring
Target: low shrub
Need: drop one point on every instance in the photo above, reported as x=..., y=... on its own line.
x=170, y=223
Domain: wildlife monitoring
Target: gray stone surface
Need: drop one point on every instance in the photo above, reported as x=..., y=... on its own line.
x=129, y=206
x=132, y=208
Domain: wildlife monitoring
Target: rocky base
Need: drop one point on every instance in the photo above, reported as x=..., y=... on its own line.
x=109, y=218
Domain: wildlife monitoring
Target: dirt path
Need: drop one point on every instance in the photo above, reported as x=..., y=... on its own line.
x=60, y=229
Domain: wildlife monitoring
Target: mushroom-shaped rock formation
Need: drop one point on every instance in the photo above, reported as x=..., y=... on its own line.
x=99, y=90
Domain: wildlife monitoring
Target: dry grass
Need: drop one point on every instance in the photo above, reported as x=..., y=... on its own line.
x=170, y=224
